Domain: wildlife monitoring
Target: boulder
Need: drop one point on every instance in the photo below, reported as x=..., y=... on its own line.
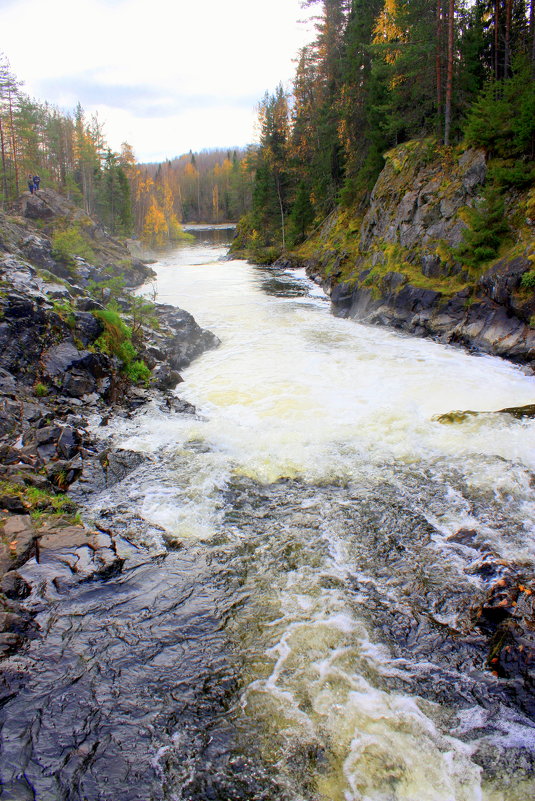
x=165, y=377
x=13, y=586
x=473, y=167
x=431, y=265
x=64, y=472
x=88, y=327
x=38, y=251
x=187, y=339
x=18, y=540
x=60, y=358
x=504, y=278
x=68, y=442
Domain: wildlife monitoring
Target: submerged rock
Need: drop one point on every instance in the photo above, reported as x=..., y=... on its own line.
x=460, y=417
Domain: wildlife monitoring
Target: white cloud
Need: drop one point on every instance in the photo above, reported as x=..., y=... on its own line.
x=199, y=68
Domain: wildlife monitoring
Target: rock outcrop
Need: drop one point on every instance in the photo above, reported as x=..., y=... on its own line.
x=396, y=263
x=30, y=234
x=55, y=370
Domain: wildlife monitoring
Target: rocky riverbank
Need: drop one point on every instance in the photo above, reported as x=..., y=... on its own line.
x=63, y=362
x=400, y=258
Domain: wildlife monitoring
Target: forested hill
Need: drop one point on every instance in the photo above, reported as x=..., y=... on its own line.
x=446, y=78
x=381, y=72
x=70, y=153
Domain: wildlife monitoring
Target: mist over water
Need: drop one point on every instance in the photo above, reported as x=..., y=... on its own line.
x=313, y=636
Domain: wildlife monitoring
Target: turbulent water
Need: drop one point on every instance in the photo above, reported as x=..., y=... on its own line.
x=310, y=634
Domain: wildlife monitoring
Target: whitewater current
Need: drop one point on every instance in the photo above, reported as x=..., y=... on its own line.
x=298, y=620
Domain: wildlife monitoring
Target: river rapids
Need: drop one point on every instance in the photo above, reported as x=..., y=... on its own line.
x=307, y=631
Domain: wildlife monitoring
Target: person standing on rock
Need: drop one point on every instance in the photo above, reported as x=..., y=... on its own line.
x=31, y=183
x=36, y=182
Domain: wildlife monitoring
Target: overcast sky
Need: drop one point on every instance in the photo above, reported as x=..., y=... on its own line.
x=165, y=75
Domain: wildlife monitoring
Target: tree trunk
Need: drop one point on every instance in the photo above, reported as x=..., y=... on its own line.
x=279, y=195
x=4, y=173
x=507, y=52
x=14, y=144
x=449, y=76
x=496, y=39
x=532, y=31
x=438, y=67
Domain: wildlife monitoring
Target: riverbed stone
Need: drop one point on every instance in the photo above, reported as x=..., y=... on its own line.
x=70, y=537
x=13, y=586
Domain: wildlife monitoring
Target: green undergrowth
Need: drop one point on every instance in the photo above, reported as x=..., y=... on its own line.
x=116, y=340
x=69, y=242
x=65, y=310
x=40, y=389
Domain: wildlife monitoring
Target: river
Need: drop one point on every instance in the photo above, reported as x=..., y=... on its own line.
x=309, y=634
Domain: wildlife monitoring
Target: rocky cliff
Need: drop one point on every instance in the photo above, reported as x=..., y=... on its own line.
x=395, y=262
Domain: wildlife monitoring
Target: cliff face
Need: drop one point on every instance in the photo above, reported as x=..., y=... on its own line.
x=396, y=264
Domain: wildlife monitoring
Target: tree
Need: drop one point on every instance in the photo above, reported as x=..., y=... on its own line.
x=449, y=78
x=272, y=178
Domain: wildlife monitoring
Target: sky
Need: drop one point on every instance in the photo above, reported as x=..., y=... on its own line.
x=167, y=76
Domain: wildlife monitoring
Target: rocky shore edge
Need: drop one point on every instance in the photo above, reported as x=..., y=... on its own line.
x=399, y=257
x=55, y=380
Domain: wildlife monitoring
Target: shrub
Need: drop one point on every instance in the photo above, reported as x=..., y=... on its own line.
x=486, y=231
x=116, y=340
x=528, y=280
x=41, y=390
x=108, y=286
x=142, y=313
x=138, y=372
x=68, y=243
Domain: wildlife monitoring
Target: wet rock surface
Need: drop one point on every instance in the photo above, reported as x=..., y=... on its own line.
x=404, y=271
x=52, y=378
x=137, y=681
x=151, y=657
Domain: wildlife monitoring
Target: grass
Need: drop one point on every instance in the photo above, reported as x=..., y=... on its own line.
x=65, y=310
x=40, y=503
x=41, y=390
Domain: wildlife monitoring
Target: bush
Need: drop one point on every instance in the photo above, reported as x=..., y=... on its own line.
x=116, y=340
x=41, y=390
x=138, y=372
x=108, y=286
x=528, y=280
x=69, y=243
x=486, y=231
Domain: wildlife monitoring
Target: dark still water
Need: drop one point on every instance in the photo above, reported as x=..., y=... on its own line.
x=312, y=634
